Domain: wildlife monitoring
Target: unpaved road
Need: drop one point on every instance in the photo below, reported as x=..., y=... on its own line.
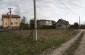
x=81, y=49
x=63, y=47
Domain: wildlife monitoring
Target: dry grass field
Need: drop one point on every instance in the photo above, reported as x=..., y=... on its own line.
x=17, y=42
x=44, y=34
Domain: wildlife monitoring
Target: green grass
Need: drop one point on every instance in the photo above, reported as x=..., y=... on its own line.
x=11, y=44
x=71, y=50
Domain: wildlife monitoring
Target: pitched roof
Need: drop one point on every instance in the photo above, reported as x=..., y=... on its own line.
x=63, y=21
x=8, y=16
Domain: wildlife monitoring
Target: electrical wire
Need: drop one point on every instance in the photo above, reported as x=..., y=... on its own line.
x=67, y=8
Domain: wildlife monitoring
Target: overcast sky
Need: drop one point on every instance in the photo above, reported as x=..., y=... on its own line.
x=70, y=10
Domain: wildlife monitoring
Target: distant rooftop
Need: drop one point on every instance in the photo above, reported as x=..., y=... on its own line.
x=43, y=20
x=63, y=21
x=8, y=16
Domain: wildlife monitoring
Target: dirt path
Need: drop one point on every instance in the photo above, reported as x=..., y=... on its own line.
x=63, y=47
x=81, y=49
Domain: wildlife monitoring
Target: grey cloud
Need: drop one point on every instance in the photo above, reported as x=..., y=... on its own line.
x=46, y=9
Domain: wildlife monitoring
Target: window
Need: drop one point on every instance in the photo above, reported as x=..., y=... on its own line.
x=6, y=23
x=15, y=22
x=11, y=23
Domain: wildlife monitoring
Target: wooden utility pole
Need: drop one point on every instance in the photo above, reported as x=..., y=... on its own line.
x=10, y=11
x=35, y=21
x=79, y=22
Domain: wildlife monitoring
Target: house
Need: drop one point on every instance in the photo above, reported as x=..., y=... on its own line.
x=43, y=23
x=46, y=24
x=62, y=24
x=14, y=22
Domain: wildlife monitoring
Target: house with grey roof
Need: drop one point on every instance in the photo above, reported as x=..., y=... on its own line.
x=62, y=24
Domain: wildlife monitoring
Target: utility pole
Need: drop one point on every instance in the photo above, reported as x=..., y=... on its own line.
x=10, y=11
x=35, y=21
x=79, y=22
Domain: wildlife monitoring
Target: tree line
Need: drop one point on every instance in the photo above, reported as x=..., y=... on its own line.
x=24, y=25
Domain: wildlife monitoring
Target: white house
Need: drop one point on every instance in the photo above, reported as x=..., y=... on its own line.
x=62, y=24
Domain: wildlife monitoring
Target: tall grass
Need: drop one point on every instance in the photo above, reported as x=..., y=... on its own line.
x=71, y=50
x=11, y=44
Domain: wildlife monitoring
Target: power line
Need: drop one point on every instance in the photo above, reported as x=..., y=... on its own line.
x=64, y=5
x=67, y=8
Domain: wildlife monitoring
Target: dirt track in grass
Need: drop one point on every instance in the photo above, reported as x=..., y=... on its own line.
x=65, y=46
